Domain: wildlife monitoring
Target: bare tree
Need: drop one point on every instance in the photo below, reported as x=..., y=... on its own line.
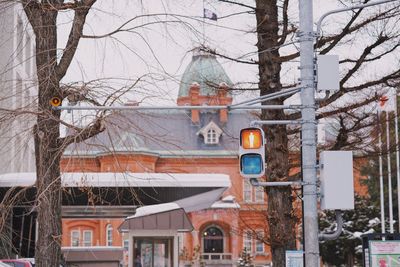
x=52, y=66
x=274, y=28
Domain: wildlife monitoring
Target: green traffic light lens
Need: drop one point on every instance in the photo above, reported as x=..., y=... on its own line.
x=251, y=164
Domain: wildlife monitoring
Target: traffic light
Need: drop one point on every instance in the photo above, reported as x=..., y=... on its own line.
x=55, y=102
x=252, y=153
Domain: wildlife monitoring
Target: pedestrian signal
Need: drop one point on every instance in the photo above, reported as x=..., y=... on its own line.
x=252, y=153
x=55, y=101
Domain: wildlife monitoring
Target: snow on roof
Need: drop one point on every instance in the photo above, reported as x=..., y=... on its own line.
x=228, y=202
x=224, y=205
x=154, y=209
x=111, y=179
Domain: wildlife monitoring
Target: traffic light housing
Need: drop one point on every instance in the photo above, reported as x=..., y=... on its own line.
x=252, y=152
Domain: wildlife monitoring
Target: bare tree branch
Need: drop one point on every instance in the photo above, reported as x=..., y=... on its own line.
x=74, y=37
x=285, y=22
x=238, y=4
x=83, y=133
x=361, y=59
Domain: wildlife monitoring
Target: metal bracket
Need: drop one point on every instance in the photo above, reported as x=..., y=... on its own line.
x=255, y=182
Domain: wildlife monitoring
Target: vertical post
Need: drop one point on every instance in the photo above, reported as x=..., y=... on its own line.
x=308, y=131
x=204, y=25
x=396, y=132
x=389, y=169
x=381, y=192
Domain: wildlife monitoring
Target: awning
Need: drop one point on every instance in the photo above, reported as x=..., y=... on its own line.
x=125, y=191
x=122, y=179
x=168, y=216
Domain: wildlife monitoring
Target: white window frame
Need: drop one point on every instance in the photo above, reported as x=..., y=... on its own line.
x=247, y=191
x=109, y=235
x=211, y=137
x=260, y=235
x=248, y=241
x=78, y=237
x=259, y=194
x=84, y=241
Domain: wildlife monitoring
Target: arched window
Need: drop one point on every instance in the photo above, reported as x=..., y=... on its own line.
x=109, y=235
x=213, y=240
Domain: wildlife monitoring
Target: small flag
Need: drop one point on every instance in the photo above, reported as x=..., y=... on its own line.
x=210, y=15
x=386, y=103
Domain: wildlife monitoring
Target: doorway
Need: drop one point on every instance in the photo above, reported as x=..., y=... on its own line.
x=152, y=252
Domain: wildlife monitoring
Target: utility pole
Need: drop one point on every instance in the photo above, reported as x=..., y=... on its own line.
x=308, y=133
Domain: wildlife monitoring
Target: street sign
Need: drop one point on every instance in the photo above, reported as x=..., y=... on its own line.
x=252, y=153
x=384, y=253
x=294, y=258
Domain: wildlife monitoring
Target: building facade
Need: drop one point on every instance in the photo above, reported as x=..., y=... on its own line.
x=18, y=89
x=185, y=142
x=194, y=141
x=18, y=93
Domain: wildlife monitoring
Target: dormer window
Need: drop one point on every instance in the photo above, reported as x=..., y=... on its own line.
x=211, y=133
x=211, y=137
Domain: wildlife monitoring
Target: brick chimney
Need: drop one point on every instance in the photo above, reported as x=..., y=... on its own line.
x=223, y=99
x=194, y=96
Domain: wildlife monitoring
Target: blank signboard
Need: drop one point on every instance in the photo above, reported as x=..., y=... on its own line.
x=328, y=73
x=336, y=174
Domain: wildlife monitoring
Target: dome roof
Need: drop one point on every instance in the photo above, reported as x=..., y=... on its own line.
x=207, y=72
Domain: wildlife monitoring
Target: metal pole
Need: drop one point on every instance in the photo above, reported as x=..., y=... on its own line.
x=348, y=9
x=389, y=169
x=308, y=131
x=381, y=192
x=175, y=107
x=396, y=132
x=281, y=122
x=268, y=97
x=256, y=182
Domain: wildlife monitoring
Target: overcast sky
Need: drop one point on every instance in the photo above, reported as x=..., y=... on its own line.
x=164, y=49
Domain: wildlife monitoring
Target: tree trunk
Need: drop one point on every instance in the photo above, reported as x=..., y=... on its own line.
x=47, y=148
x=281, y=218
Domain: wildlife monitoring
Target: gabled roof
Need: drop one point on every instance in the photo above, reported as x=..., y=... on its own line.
x=211, y=125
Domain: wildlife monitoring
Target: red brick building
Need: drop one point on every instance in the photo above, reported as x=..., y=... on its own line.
x=195, y=141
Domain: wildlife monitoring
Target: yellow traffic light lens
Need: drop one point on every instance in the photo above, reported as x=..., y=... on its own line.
x=251, y=138
x=55, y=102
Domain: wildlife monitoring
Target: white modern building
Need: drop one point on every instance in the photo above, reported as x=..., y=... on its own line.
x=18, y=89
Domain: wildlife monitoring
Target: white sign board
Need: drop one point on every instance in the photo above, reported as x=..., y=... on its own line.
x=336, y=176
x=328, y=73
x=294, y=258
x=384, y=253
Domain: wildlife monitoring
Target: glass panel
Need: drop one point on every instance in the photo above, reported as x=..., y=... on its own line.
x=213, y=240
x=152, y=252
x=259, y=242
x=109, y=232
x=74, y=238
x=247, y=188
x=259, y=194
x=247, y=243
x=161, y=253
x=251, y=163
x=87, y=238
